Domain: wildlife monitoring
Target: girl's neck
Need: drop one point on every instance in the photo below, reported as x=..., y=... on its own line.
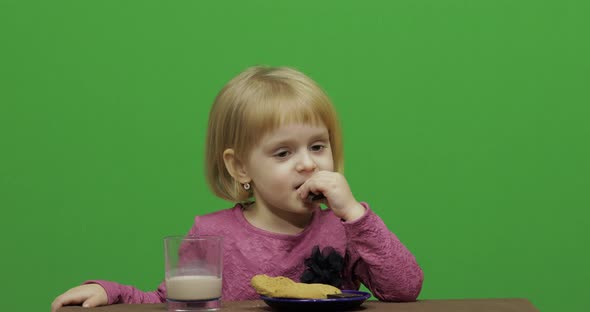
x=277, y=221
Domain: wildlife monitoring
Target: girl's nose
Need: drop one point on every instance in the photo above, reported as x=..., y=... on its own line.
x=306, y=163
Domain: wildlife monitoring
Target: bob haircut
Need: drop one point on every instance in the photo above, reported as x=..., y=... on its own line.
x=254, y=103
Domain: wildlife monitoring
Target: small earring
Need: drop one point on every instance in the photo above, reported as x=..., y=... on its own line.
x=246, y=186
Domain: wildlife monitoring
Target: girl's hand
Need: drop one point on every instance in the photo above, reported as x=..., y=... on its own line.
x=90, y=295
x=337, y=192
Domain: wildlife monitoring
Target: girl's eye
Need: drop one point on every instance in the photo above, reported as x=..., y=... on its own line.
x=282, y=154
x=317, y=147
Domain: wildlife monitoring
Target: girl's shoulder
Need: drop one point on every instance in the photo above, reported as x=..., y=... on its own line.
x=217, y=222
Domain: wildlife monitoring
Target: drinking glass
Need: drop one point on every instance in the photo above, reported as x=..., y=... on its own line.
x=194, y=266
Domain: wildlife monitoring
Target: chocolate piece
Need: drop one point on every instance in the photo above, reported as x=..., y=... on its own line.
x=313, y=197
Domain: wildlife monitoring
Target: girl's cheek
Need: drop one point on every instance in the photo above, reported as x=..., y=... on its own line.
x=329, y=165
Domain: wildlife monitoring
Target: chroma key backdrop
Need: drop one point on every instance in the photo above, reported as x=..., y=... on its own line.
x=466, y=128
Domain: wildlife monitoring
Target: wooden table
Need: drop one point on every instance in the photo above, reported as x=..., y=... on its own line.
x=455, y=305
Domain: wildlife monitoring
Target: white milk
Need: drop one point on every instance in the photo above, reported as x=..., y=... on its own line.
x=193, y=287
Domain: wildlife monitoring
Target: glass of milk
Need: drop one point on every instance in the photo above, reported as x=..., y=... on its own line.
x=194, y=266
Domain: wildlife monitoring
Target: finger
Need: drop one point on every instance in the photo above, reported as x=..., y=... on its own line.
x=91, y=302
x=307, y=193
x=55, y=305
x=309, y=189
x=63, y=300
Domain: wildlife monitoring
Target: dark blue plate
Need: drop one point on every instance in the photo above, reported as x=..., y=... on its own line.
x=335, y=304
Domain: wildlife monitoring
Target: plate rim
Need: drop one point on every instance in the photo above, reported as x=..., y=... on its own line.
x=366, y=295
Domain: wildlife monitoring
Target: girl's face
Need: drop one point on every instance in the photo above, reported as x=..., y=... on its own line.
x=282, y=161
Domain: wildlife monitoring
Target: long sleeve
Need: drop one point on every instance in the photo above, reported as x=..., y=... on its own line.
x=373, y=256
x=118, y=293
x=377, y=258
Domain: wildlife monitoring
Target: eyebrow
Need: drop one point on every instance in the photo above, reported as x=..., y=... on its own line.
x=323, y=136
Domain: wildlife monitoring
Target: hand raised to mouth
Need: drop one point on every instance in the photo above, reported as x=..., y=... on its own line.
x=338, y=197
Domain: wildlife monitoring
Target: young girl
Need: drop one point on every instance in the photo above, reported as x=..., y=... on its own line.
x=274, y=146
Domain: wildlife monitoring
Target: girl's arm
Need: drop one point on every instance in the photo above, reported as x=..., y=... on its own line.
x=118, y=293
x=377, y=258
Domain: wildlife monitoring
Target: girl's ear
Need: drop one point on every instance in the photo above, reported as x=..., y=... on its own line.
x=235, y=167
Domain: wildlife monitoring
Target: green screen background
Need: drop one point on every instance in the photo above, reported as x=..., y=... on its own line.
x=465, y=128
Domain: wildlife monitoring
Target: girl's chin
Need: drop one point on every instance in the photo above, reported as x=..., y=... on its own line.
x=302, y=208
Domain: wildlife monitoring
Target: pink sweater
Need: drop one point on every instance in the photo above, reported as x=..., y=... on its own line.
x=373, y=256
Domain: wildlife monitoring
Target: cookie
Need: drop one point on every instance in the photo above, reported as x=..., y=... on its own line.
x=284, y=287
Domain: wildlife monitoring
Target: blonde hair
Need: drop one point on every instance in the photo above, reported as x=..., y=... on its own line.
x=257, y=101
